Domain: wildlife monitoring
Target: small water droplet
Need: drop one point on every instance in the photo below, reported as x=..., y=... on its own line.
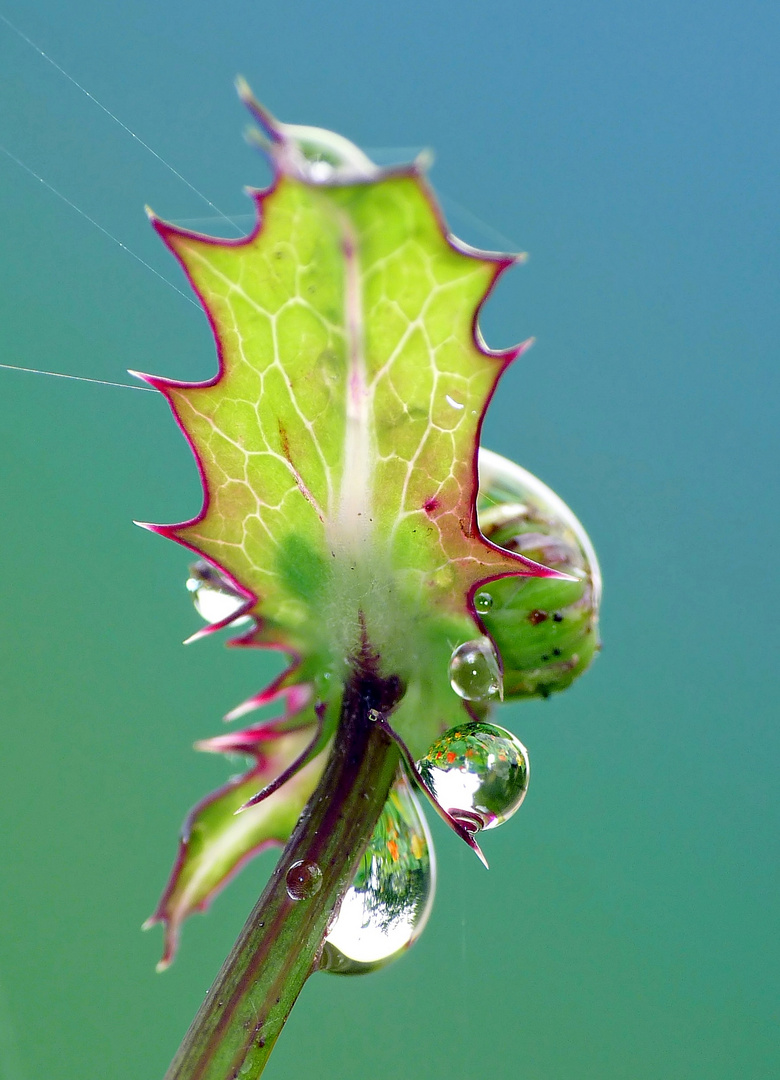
x=478, y=773
x=321, y=171
x=212, y=594
x=387, y=905
x=483, y=602
x=455, y=404
x=474, y=671
x=303, y=880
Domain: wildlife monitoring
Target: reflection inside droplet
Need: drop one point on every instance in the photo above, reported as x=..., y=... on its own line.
x=474, y=671
x=214, y=597
x=387, y=905
x=478, y=773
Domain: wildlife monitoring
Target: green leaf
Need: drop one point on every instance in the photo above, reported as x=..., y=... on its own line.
x=337, y=443
x=216, y=840
x=337, y=446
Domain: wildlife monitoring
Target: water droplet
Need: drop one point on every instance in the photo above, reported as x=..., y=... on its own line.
x=212, y=594
x=321, y=171
x=303, y=880
x=483, y=602
x=478, y=773
x=474, y=670
x=387, y=905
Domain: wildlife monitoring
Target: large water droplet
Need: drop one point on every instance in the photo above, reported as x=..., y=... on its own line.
x=474, y=670
x=478, y=774
x=387, y=905
x=303, y=880
x=212, y=594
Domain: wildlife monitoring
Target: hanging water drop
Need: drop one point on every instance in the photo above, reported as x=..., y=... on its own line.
x=478, y=773
x=212, y=594
x=303, y=880
x=483, y=602
x=474, y=671
x=387, y=905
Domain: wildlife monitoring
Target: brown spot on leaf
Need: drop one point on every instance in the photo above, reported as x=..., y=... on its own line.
x=536, y=616
x=283, y=438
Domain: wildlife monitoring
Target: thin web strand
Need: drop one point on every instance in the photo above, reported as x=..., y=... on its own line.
x=97, y=225
x=116, y=120
x=77, y=378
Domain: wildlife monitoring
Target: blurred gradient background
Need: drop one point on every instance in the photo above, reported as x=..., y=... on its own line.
x=628, y=926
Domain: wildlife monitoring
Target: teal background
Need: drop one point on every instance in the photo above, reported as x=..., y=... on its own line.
x=628, y=926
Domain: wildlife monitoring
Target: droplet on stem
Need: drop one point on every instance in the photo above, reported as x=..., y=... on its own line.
x=303, y=880
x=387, y=905
x=478, y=773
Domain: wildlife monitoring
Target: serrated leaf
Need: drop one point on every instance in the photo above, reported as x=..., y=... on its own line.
x=337, y=446
x=216, y=840
x=337, y=443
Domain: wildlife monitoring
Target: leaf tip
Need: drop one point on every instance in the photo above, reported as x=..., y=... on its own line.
x=256, y=139
x=150, y=380
x=242, y=88
x=150, y=528
x=424, y=160
x=269, y=125
x=479, y=853
x=240, y=710
x=520, y=349
x=220, y=624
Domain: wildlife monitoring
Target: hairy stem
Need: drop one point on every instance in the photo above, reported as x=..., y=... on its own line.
x=235, y=1029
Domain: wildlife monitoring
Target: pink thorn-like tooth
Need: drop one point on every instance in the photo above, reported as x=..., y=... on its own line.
x=303, y=759
x=298, y=695
x=158, y=529
x=250, y=740
x=212, y=628
x=270, y=126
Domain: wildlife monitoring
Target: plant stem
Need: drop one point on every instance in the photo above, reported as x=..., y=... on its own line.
x=237, y=1025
